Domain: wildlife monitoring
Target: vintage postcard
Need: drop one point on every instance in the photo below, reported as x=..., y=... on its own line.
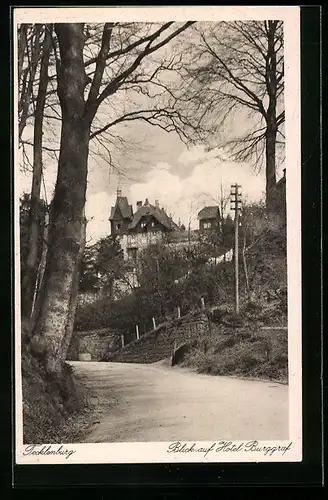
x=157, y=186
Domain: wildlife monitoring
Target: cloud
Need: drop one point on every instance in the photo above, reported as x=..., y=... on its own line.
x=164, y=166
x=198, y=154
x=24, y=182
x=208, y=176
x=160, y=185
x=192, y=155
x=97, y=207
x=97, y=211
x=183, y=198
x=181, y=195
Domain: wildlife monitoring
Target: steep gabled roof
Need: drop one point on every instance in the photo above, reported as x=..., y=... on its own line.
x=209, y=213
x=124, y=207
x=156, y=212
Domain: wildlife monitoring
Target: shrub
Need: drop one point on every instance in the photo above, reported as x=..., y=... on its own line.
x=242, y=353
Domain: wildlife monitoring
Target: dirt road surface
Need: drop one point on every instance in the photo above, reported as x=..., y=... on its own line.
x=142, y=403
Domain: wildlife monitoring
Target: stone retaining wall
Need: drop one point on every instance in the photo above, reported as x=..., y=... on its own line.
x=97, y=343
x=160, y=343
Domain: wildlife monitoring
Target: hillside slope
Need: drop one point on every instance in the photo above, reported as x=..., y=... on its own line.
x=223, y=347
x=159, y=343
x=51, y=410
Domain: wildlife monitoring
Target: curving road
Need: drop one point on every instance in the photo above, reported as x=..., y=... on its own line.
x=140, y=403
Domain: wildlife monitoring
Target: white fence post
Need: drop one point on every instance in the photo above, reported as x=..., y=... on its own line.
x=202, y=302
x=137, y=332
x=179, y=312
x=154, y=323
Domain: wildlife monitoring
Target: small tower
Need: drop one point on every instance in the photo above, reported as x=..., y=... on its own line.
x=121, y=215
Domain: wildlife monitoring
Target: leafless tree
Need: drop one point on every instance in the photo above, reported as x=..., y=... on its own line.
x=29, y=53
x=257, y=229
x=84, y=86
x=235, y=71
x=30, y=276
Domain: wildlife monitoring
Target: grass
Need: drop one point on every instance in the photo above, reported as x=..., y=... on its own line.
x=51, y=411
x=241, y=352
x=235, y=346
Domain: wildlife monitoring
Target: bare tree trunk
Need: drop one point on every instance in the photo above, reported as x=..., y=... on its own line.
x=245, y=266
x=270, y=158
x=271, y=116
x=30, y=276
x=67, y=218
x=21, y=49
x=74, y=296
x=41, y=277
x=27, y=91
x=67, y=215
x=42, y=265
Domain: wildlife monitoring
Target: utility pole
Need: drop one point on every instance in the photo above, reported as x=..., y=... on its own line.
x=221, y=205
x=235, y=205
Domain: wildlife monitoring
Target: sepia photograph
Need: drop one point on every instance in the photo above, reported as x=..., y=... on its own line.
x=157, y=235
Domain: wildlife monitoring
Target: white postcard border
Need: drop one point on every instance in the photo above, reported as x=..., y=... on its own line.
x=158, y=452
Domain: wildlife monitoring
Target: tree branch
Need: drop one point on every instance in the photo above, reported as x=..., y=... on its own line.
x=52, y=150
x=100, y=63
x=32, y=65
x=127, y=49
x=281, y=118
x=114, y=85
x=237, y=82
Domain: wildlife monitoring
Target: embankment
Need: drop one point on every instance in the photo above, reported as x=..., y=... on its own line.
x=248, y=349
x=51, y=410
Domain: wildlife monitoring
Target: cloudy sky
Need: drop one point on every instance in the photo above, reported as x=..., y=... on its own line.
x=183, y=180
x=159, y=167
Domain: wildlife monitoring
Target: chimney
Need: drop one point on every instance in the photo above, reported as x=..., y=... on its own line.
x=156, y=203
x=146, y=202
x=119, y=193
x=139, y=204
x=284, y=171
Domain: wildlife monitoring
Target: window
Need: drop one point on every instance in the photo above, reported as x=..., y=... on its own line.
x=118, y=226
x=207, y=225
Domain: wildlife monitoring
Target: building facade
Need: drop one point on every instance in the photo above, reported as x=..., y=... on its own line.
x=136, y=231
x=209, y=220
x=150, y=225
